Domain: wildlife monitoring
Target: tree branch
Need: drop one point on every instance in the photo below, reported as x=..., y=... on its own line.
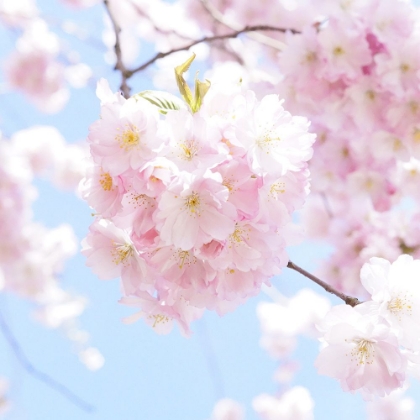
x=41, y=376
x=233, y=34
x=127, y=73
x=262, y=39
x=125, y=89
x=349, y=300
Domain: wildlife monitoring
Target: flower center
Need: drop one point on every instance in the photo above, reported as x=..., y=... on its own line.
x=370, y=94
x=268, y=139
x=404, y=67
x=400, y=305
x=192, y=202
x=310, y=56
x=238, y=235
x=159, y=319
x=189, y=149
x=229, y=184
x=416, y=135
x=277, y=187
x=184, y=258
x=106, y=181
x=337, y=51
x=129, y=138
x=121, y=253
x=141, y=201
x=364, y=352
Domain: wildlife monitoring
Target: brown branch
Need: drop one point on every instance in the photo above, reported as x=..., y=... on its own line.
x=41, y=376
x=262, y=39
x=125, y=89
x=231, y=35
x=127, y=73
x=349, y=300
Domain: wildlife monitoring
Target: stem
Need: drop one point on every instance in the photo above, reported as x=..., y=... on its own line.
x=41, y=376
x=349, y=300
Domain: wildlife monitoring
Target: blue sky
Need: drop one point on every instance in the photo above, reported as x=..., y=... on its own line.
x=145, y=376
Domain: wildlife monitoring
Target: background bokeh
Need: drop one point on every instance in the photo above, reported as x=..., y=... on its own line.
x=145, y=376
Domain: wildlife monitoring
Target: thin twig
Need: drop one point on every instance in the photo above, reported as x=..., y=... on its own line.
x=327, y=206
x=167, y=32
x=352, y=301
x=230, y=35
x=261, y=38
x=125, y=89
x=41, y=376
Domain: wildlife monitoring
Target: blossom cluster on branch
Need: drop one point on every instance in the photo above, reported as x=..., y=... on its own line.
x=193, y=209
x=373, y=346
x=194, y=201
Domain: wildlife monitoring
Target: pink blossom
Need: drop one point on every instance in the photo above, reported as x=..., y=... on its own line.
x=183, y=268
x=193, y=212
x=273, y=140
x=126, y=136
x=160, y=315
x=361, y=351
x=103, y=192
x=37, y=49
x=242, y=185
x=193, y=142
x=395, y=289
x=346, y=51
x=111, y=252
x=44, y=83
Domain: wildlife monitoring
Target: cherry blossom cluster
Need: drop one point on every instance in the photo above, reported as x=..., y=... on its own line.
x=40, y=50
x=351, y=68
x=193, y=208
x=371, y=347
x=355, y=77
x=362, y=233
x=32, y=256
x=374, y=346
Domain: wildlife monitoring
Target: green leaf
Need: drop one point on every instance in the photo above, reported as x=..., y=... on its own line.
x=163, y=100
